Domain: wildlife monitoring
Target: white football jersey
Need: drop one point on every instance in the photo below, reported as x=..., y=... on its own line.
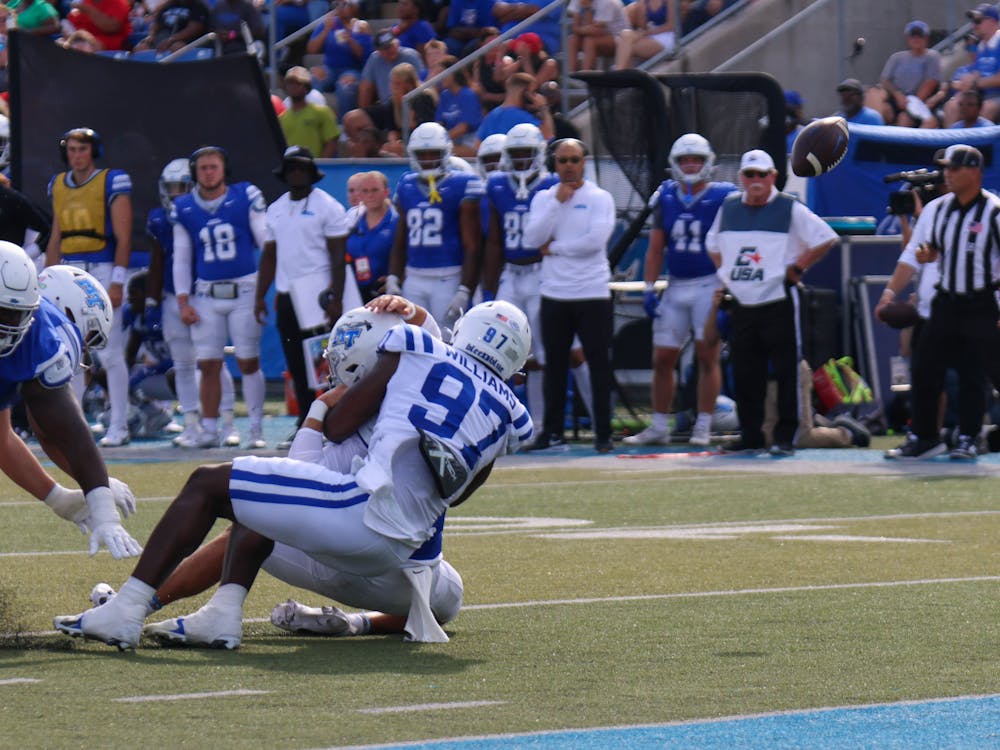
x=450, y=396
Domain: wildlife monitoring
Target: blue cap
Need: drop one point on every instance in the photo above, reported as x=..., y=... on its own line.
x=917, y=28
x=984, y=10
x=794, y=98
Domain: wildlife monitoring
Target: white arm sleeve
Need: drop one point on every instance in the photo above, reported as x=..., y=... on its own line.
x=182, y=271
x=258, y=228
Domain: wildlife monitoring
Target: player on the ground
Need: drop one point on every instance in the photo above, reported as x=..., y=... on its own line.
x=40, y=350
x=683, y=210
x=436, y=249
x=444, y=415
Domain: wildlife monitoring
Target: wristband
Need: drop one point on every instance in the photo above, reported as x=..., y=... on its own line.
x=887, y=290
x=464, y=288
x=650, y=287
x=412, y=314
x=317, y=411
x=118, y=274
x=150, y=302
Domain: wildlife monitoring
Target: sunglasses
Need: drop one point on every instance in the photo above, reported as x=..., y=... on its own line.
x=755, y=174
x=569, y=160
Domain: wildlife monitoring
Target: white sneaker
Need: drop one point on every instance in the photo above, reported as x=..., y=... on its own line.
x=232, y=437
x=101, y=594
x=173, y=427
x=188, y=436
x=115, y=623
x=114, y=439
x=201, y=439
x=256, y=439
x=298, y=618
x=701, y=434
x=649, y=436
x=209, y=627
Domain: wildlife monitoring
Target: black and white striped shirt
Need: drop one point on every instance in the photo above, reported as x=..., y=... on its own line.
x=967, y=239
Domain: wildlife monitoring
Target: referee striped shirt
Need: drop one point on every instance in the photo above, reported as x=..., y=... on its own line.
x=968, y=241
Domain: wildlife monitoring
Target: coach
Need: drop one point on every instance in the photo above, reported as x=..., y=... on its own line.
x=960, y=232
x=762, y=242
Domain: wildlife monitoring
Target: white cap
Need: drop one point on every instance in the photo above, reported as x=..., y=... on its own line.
x=757, y=159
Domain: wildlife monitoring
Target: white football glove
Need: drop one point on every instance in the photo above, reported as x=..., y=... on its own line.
x=123, y=496
x=70, y=505
x=392, y=284
x=107, y=527
x=456, y=308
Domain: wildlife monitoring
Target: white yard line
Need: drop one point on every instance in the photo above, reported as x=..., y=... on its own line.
x=428, y=707
x=188, y=696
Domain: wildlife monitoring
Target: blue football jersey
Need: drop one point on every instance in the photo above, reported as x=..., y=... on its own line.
x=222, y=241
x=685, y=222
x=50, y=352
x=434, y=237
x=501, y=191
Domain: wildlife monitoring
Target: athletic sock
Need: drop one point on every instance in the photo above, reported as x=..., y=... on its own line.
x=661, y=421
x=253, y=395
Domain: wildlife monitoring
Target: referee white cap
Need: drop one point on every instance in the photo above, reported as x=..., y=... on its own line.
x=960, y=155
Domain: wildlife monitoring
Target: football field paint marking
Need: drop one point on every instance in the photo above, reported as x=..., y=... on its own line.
x=428, y=707
x=189, y=696
x=18, y=681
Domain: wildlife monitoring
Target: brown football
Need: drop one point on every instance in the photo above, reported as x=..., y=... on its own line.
x=899, y=315
x=820, y=146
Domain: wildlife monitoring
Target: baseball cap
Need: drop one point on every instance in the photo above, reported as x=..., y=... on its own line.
x=917, y=28
x=529, y=39
x=757, y=159
x=298, y=73
x=850, y=84
x=984, y=10
x=794, y=98
x=384, y=38
x=960, y=155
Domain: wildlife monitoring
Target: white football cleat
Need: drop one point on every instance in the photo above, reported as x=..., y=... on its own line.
x=115, y=623
x=114, y=439
x=209, y=627
x=101, y=594
x=701, y=435
x=649, y=436
x=256, y=439
x=232, y=437
x=298, y=618
x=201, y=439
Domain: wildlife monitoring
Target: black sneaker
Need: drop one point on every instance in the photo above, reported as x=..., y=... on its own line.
x=739, y=447
x=548, y=442
x=964, y=450
x=915, y=449
x=604, y=446
x=860, y=436
x=782, y=450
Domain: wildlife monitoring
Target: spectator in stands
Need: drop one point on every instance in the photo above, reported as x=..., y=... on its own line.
x=985, y=74
x=176, y=23
x=852, y=108
x=511, y=13
x=345, y=43
x=311, y=126
x=910, y=77
x=33, y=16
x=562, y=127
x=82, y=41
x=961, y=80
x=226, y=20
x=521, y=104
x=596, y=26
x=651, y=32
x=411, y=31
x=374, y=86
x=435, y=51
x=970, y=105
x=469, y=22
x=528, y=55
x=700, y=12
x=107, y=20
x=289, y=16
x=387, y=117
x=488, y=74
x=459, y=110
x=794, y=118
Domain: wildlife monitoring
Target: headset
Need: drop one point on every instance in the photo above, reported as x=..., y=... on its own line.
x=203, y=151
x=550, y=155
x=87, y=135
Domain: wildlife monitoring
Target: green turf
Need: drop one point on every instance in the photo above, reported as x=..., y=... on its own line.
x=708, y=643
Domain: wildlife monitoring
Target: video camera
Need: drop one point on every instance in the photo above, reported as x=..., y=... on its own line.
x=923, y=181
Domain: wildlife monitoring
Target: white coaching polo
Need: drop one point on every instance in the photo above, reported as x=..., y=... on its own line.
x=300, y=230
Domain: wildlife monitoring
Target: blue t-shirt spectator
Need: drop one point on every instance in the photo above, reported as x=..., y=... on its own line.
x=502, y=119
x=461, y=106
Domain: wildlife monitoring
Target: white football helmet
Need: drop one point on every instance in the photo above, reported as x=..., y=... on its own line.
x=524, y=150
x=175, y=180
x=691, y=144
x=82, y=299
x=495, y=333
x=352, y=347
x=429, y=148
x=489, y=154
x=19, y=296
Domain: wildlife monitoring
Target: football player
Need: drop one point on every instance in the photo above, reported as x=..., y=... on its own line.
x=217, y=231
x=442, y=416
x=437, y=239
x=683, y=210
x=40, y=350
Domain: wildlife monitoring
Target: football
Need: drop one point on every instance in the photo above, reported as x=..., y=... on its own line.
x=899, y=315
x=820, y=146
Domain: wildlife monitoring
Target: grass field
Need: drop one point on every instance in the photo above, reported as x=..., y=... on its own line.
x=599, y=592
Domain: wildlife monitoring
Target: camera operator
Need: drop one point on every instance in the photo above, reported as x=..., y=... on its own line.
x=958, y=234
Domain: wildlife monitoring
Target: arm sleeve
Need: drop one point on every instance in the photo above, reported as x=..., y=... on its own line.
x=541, y=220
x=182, y=270
x=258, y=228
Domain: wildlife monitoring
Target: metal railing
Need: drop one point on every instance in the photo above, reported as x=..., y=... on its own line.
x=199, y=42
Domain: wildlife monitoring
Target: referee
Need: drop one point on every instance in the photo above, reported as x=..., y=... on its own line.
x=960, y=232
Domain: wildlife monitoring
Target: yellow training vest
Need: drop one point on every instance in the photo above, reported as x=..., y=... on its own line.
x=82, y=213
